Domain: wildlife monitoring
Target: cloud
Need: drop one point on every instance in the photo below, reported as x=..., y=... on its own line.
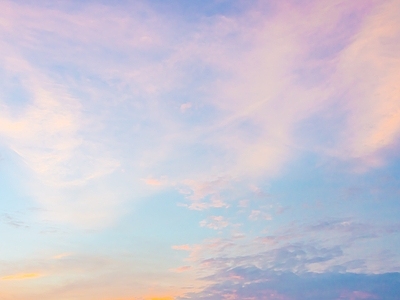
x=62, y=256
x=280, y=255
x=12, y=221
x=292, y=257
x=292, y=73
x=57, y=131
x=95, y=98
x=215, y=222
x=47, y=136
x=185, y=106
x=253, y=283
x=21, y=276
x=368, y=65
x=76, y=132
x=82, y=275
x=257, y=215
x=320, y=247
x=102, y=110
x=182, y=247
x=153, y=182
x=205, y=194
x=182, y=269
x=311, y=68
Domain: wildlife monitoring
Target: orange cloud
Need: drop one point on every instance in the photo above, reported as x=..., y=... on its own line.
x=62, y=255
x=21, y=276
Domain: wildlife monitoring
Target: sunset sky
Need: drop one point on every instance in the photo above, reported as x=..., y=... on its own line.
x=199, y=149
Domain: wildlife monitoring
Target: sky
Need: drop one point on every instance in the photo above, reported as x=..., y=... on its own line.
x=214, y=149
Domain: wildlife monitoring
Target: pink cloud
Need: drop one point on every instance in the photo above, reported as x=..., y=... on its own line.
x=182, y=269
x=259, y=104
x=257, y=215
x=182, y=247
x=185, y=106
x=153, y=182
x=215, y=222
x=243, y=203
x=368, y=67
x=198, y=191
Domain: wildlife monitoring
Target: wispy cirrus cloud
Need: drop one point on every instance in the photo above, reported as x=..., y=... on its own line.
x=57, y=126
x=67, y=135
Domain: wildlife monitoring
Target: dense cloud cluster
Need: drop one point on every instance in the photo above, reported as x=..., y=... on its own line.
x=252, y=283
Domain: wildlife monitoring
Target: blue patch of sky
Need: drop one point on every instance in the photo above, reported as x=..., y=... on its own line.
x=313, y=193
x=13, y=93
x=192, y=11
x=12, y=171
x=23, y=235
x=159, y=218
x=148, y=230
x=21, y=230
x=323, y=129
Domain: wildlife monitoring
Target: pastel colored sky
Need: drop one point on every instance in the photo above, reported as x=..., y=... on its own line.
x=206, y=149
